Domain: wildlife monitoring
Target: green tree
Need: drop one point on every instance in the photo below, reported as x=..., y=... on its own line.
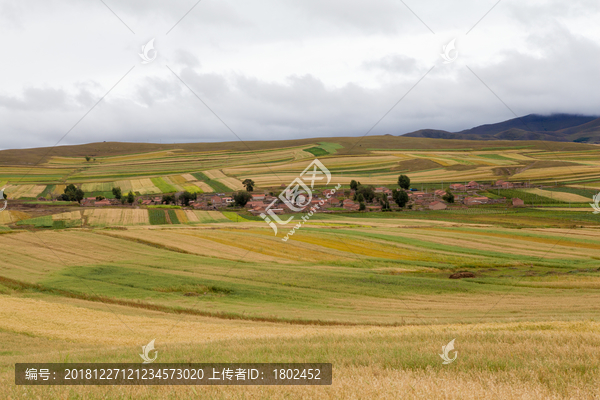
x=72, y=193
x=367, y=193
x=353, y=184
x=186, y=197
x=241, y=198
x=404, y=181
x=249, y=184
x=400, y=197
x=448, y=197
x=361, y=206
x=168, y=199
x=88, y=158
x=116, y=191
x=130, y=197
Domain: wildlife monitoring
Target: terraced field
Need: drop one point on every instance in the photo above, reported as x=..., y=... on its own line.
x=178, y=169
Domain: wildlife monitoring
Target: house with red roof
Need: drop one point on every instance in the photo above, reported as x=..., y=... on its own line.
x=471, y=201
x=457, y=187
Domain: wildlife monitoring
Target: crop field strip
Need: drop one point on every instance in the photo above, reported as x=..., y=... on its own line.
x=319, y=252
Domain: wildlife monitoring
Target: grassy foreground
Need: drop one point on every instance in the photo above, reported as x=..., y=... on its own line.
x=549, y=360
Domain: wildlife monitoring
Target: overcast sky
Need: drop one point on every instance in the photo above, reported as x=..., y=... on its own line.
x=282, y=69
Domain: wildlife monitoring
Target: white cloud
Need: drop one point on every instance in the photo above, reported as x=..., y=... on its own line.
x=283, y=69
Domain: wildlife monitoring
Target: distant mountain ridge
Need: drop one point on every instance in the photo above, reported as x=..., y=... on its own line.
x=554, y=127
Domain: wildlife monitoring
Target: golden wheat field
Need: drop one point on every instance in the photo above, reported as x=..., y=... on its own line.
x=500, y=361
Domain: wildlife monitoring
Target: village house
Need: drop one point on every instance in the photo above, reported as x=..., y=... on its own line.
x=504, y=184
x=201, y=204
x=473, y=185
x=382, y=190
x=88, y=202
x=437, y=205
x=147, y=202
x=261, y=210
x=457, y=187
x=334, y=201
x=439, y=192
x=254, y=204
x=471, y=201
x=102, y=203
x=516, y=202
x=258, y=197
x=216, y=201
x=350, y=205
x=328, y=192
x=420, y=195
x=228, y=200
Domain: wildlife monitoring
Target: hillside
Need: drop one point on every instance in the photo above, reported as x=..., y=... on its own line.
x=346, y=146
x=555, y=127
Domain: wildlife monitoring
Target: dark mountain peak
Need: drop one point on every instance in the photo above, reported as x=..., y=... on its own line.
x=556, y=127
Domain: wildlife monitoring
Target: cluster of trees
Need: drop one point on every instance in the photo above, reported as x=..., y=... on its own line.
x=448, y=197
x=364, y=194
x=128, y=198
x=88, y=159
x=183, y=199
x=72, y=193
x=242, y=197
x=248, y=184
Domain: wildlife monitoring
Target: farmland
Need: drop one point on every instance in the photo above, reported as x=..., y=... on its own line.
x=376, y=161
x=376, y=286
x=368, y=292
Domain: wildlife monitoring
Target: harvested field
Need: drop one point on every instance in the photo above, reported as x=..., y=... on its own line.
x=214, y=174
x=233, y=183
x=207, y=217
x=24, y=191
x=144, y=186
x=10, y=216
x=204, y=187
x=72, y=215
x=560, y=196
x=116, y=217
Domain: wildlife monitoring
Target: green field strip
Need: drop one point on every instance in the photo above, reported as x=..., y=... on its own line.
x=235, y=217
x=173, y=217
x=157, y=217
x=163, y=186
x=217, y=186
